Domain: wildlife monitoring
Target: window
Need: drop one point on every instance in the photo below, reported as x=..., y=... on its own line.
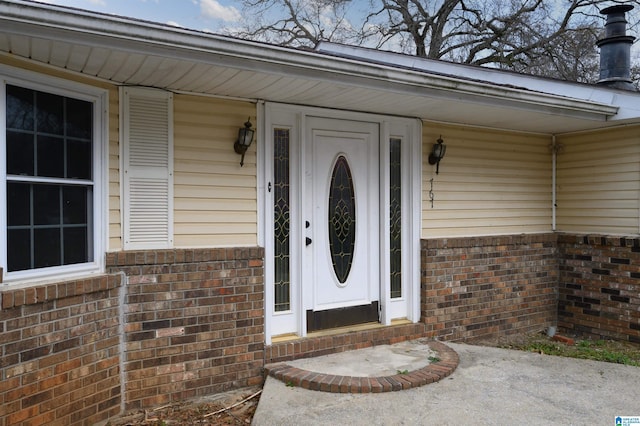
x=51, y=179
x=342, y=219
x=395, y=216
x=282, y=220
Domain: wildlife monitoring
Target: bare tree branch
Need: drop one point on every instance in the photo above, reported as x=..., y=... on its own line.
x=545, y=37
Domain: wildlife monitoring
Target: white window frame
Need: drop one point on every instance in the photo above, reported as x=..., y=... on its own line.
x=99, y=99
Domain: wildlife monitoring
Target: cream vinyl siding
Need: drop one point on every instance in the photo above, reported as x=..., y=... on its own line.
x=115, y=222
x=490, y=183
x=599, y=182
x=215, y=199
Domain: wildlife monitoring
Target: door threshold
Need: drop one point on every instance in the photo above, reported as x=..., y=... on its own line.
x=339, y=330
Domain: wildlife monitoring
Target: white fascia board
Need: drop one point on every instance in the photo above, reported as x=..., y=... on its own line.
x=569, y=89
x=135, y=36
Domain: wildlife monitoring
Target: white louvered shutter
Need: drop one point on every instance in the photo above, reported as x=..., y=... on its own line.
x=148, y=168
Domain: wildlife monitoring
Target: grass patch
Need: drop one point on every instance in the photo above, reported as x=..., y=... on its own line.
x=598, y=350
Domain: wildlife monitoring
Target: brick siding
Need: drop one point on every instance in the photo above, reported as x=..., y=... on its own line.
x=59, y=362
x=193, y=325
x=194, y=322
x=599, y=286
x=488, y=286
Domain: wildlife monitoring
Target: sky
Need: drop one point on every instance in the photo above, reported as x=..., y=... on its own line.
x=202, y=15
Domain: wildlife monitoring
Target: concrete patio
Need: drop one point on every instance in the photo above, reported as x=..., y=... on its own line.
x=490, y=386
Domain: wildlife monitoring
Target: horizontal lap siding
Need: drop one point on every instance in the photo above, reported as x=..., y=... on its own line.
x=215, y=199
x=490, y=183
x=115, y=224
x=599, y=182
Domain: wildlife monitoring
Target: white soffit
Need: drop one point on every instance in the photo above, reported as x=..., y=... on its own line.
x=131, y=52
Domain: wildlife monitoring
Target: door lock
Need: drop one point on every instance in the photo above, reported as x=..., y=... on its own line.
x=307, y=240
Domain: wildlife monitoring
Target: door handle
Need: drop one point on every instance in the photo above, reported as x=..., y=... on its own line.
x=307, y=240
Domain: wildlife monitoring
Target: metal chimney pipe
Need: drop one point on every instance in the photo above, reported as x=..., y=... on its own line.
x=615, y=49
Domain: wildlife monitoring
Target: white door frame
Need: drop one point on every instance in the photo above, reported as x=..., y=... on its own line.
x=293, y=119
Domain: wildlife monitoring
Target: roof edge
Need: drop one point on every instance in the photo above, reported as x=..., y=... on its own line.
x=45, y=20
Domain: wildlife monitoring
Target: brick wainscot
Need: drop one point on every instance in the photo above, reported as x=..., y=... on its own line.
x=168, y=325
x=600, y=286
x=488, y=286
x=161, y=326
x=193, y=322
x=60, y=353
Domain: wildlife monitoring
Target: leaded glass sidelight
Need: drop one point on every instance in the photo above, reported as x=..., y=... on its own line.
x=395, y=217
x=342, y=219
x=281, y=209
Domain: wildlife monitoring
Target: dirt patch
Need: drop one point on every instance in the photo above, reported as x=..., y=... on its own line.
x=230, y=408
x=571, y=346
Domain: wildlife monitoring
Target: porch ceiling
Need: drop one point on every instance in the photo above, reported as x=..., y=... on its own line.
x=131, y=52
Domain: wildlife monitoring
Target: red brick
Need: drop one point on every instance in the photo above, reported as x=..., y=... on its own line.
x=334, y=385
x=566, y=340
x=67, y=366
x=9, y=383
x=7, y=299
x=43, y=419
x=22, y=415
x=386, y=385
x=375, y=385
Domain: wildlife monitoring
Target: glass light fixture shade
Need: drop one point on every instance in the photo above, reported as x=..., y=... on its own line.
x=245, y=137
x=437, y=152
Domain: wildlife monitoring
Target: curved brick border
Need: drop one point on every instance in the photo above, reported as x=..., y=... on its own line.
x=346, y=384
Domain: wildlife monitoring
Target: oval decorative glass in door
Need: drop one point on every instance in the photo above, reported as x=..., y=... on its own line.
x=342, y=219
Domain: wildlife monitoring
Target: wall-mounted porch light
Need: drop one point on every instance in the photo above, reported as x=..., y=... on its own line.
x=245, y=137
x=437, y=153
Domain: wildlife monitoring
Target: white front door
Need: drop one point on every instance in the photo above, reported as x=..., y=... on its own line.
x=332, y=184
x=342, y=221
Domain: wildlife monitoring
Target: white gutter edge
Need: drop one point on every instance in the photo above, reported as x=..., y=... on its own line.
x=569, y=89
x=179, y=42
